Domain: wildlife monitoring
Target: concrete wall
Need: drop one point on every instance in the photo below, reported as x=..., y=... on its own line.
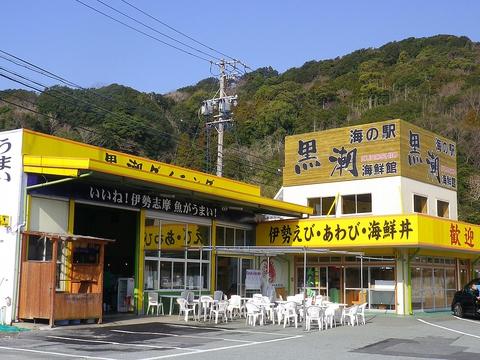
x=390, y=195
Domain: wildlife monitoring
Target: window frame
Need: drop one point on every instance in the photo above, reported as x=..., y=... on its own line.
x=356, y=212
x=426, y=203
x=320, y=206
x=448, y=208
x=185, y=260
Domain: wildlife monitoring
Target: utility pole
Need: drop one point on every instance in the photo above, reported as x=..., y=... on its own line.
x=221, y=107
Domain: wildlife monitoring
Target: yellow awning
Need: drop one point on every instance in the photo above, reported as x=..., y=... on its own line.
x=72, y=166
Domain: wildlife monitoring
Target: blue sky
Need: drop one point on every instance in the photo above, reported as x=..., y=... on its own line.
x=70, y=40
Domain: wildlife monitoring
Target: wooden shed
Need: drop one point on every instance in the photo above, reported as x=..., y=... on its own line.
x=61, y=277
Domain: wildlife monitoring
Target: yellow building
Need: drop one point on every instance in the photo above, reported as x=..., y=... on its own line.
x=159, y=215
x=372, y=208
x=389, y=191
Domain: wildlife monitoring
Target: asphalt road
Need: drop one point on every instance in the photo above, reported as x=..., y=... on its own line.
x=426, y=336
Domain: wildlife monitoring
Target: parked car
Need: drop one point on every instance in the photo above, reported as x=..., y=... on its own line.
x=466, y=301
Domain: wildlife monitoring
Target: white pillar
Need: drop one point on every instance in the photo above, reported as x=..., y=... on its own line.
x=401, y=264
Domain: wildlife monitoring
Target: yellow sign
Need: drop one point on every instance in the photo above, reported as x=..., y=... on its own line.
x=376, y=231
x=4, y=220
x=175, y=236
x=37, y=144
x=387, y=148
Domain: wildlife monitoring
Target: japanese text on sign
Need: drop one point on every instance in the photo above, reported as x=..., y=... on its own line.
x=148, y=201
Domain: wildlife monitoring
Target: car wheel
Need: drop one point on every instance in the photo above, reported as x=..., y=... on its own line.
x=458, y=310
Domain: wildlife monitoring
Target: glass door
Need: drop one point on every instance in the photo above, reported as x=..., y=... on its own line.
x=334, y=283
x=244, y=265
x=231, y=273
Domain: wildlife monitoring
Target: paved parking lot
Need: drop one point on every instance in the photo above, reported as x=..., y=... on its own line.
x=434, y=336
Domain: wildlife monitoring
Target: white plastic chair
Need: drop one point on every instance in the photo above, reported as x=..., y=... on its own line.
x=153, y=302
x=361, y=313
x=329, y=315
x=205, y=304
x=221, y=309
x=351, y=314
x=218, y=295
x=235, y=306
x=253, y=313
x=314, y=313
x=185, y=309
x=290, y=312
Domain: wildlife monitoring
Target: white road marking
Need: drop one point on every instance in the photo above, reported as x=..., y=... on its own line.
x=123, y=344
x=55, y=353
x=230, y=330
x=472, y=321
x=178, y=335
x=222, y=348
x=448, y=329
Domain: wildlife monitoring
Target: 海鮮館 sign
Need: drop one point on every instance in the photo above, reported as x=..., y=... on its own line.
x=381, y=149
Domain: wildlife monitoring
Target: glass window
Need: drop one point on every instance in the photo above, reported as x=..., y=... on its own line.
x=442, y=209
x=166, y=275
x=322, y=206
x=239, y=237
x=419, y=204
x=151, y=240
x=348, y=204
x=220, y=233
x=151, y=275
x=229, y=237
x=356, y=204
x=327, y=203
x=250, y=238
x=178, y=275
x=316, y=204
x=39, y=248
x=364, y=203
x=177, y=264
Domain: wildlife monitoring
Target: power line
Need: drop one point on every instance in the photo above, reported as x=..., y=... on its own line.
x=37, y=69
x=72, y=97
x=155, y=30
x=142, y=32
x=249, y=163
x=177, y=31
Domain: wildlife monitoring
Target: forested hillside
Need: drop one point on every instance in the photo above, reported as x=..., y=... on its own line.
x=432, y=82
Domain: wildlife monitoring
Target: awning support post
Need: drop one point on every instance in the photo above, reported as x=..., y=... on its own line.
x=304, y=287
x=361, y=275
x=200, y=286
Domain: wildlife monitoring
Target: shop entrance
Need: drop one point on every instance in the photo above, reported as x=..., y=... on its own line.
x=231, y=273
x=119, y=265
x=322, y=280
x=433, y=283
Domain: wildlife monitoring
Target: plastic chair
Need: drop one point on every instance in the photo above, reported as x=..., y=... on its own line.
x=235, y=306
x=153, y=302
x=253, y=313
x=220, y=310
x=314, y=313
x=218, y=295
x=205, y=304
x=351, y=314
x=329, y=315
x=361, y=313
x=290, y=312
x=182, y=303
